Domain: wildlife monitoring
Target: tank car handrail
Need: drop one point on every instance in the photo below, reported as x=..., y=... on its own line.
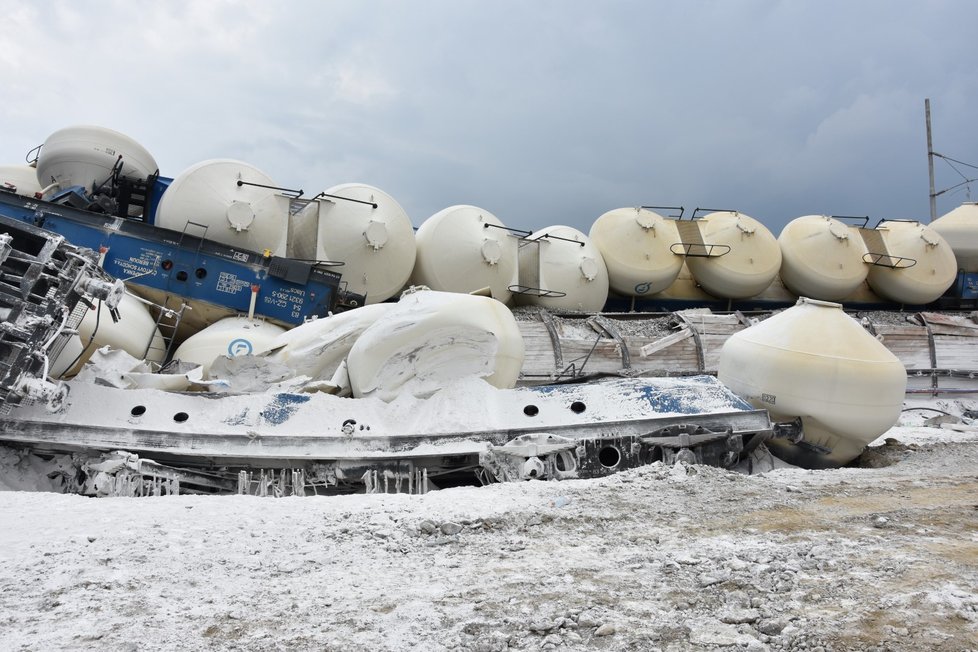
x=872, y=258
x=521, y=232
x=709, y=210
x=681, y=210
x=687, y=248
x=356, y=201
x=549, y=236
x=864, y=218
x=36, y=152
x=297, y=193
x=537, y=292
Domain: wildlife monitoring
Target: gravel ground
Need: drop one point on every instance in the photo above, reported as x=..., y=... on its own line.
x=880, y=557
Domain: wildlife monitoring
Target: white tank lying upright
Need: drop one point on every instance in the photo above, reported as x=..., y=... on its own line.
x=636, y=246
x=815, y=362
x=822, y=258
x=226, y=201
x=85, y=156
x=561, y=269
x=231, y=337
x=751, y=260
x=464, y=249
x=430, y=340
x=20, y=179
x=960, y=229
x=920, y=265
x=372, y=236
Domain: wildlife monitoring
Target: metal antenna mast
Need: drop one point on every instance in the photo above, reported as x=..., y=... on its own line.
x=930, y=162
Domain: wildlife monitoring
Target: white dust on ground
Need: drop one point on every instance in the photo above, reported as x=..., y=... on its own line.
x=670, y=558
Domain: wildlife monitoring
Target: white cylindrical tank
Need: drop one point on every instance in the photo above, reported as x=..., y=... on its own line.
x=822, y=258
x=563, y=261
x=373, y=237
x=635, y=244
x=915, y=284
x=464, y=249
x=84, y=155
x=135, y=332
x=960, y=229
x=21, y=179
x=815, y=362
x=430, y=340
x=231, y=337
x=251, y=217
x=750, y=264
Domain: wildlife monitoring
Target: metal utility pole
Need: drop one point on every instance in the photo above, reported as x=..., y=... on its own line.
x=930, y=162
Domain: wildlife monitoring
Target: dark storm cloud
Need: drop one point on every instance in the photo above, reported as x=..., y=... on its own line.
x=541, y=112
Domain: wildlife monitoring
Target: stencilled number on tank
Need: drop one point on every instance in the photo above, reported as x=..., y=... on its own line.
x=768, y=398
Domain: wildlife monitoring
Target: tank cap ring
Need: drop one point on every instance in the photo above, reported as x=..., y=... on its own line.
x=240, y=215
x=645, y=219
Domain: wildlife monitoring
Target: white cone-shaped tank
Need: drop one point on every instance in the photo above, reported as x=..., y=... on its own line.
x=430, y=340
x=636, y=246
x=208, y=193
x=822, y=258
x=747, y=267
x=464, y=249
x=85, y=155
x=231, y=337
x=561, y=269
x=815, y=362
x=373, y=237
x=922, y=264
x=960, y=229
x=20, y=179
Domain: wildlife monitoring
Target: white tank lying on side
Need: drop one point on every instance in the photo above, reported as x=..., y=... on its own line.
x=920, y=265
x=561, y=269
x=373, y=237
x=21, y=179
x=231, y=337
x=636, y=246
x=206, y=201
x=744, y=260
x=430, y=340
x=822, y=258
x=465, y=249
x=815, y=362
x=84, y=155
x=960, y=229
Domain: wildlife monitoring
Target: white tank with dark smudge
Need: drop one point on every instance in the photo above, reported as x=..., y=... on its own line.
x=919, y=267
x=231, y=337
x=815, y=362
x=744, y=257
x=822, y=258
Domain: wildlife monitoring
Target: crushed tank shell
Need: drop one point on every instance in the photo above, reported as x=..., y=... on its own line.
x=375, y=245
x=251, y=217
x=84, y=155
x=464, y=249
x=22, y=179
x=960, y=229
x=815, y=362
x=231, y=337
x=635, y=245
x=749, y=266
x=822, y=258
x=430, y=340
x=571, y=265
x=925, y=281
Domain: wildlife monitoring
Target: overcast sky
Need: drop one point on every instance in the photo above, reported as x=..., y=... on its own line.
x=541, y=112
